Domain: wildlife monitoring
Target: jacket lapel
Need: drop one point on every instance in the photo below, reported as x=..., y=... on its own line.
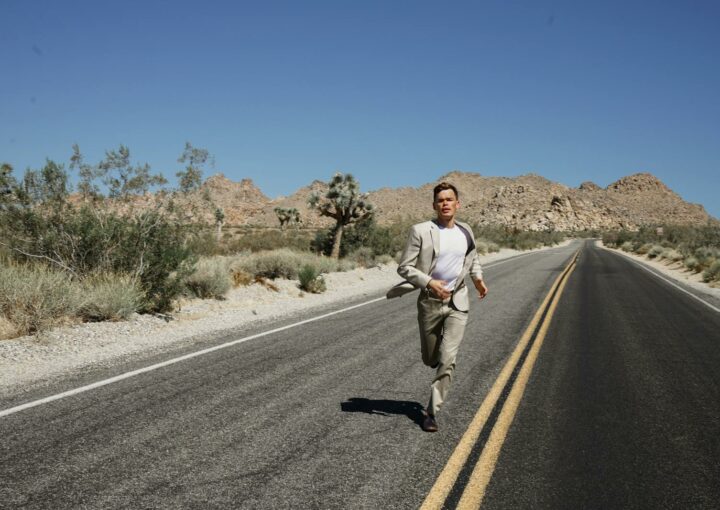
x=435, y=237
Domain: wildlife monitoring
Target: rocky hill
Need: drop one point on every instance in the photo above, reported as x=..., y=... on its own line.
x=528, y=202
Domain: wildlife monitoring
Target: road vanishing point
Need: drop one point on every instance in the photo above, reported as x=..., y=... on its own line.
x=584, y=381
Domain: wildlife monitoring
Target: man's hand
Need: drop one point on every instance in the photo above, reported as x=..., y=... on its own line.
x=481, y=288
x=437, y=287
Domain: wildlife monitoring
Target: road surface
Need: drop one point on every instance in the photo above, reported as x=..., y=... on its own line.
x=619, y=408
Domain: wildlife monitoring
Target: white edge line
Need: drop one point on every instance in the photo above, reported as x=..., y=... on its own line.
x=642, y=266
x=127, y=375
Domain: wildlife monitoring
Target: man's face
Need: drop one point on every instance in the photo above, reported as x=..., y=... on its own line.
x=446, y=204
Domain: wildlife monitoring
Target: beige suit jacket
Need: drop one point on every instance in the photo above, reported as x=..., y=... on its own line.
x=420, y=256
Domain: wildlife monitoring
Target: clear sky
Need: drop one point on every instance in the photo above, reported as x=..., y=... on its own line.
x=395, y=92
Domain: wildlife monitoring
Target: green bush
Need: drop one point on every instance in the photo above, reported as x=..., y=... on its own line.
x=712, y=273
x=150, y=247
x=210, y=279
x=643, y=249
x=382, y=240
x=627, y=246
x=311, y=280
x=110, y=297
x=33, y=298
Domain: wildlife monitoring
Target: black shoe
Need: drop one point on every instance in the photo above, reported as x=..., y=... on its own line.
x=429, y=424
x=435, y=365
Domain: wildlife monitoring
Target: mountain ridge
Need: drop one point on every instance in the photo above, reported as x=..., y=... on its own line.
x=526, y=202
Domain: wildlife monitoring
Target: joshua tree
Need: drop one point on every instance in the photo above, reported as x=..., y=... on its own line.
x=344, y=203
x=219, y=220
x=287, y=216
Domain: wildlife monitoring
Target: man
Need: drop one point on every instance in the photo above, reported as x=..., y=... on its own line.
x=437, y=257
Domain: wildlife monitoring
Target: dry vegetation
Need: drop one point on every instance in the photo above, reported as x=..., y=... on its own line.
x=697, y=248
x=97, y=255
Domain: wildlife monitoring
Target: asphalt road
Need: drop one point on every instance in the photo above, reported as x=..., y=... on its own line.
x=621, y=410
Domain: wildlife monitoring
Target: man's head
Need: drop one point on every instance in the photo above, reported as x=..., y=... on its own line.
x=445, y=201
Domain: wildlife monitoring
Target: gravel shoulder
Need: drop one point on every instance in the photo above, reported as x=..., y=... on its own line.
x=27, y=360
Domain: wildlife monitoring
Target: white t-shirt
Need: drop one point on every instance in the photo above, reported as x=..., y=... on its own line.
x=453, y=246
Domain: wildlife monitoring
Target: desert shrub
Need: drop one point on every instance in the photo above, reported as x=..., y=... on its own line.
x=266, y=240
x=33, y=298
x=526, y=244
x=110, y=297
x=692, y=264
x=627, y=246
x=363, y=257
x=509, y=237
x=204, y=243
x=712, y=273
x=240, y=278
x=285, y=263
x=281, y=263
x=684, y=238
x=484, y=247
x=706, y=256
x=643, y=249
x=384, y=259
x=149, y=246
x=311, y=280
x=8, y=329
x=210, y=279
x=655, y=251
x=671, y=254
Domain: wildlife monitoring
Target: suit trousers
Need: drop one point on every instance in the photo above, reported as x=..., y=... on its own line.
x=442, y=327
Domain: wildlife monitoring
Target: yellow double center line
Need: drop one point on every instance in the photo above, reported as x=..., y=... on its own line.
x=474, y=489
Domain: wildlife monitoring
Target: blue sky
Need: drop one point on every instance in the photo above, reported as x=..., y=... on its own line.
x=396, y=92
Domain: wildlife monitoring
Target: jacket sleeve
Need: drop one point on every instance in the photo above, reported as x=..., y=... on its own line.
x=409, y=257
x=475, y=268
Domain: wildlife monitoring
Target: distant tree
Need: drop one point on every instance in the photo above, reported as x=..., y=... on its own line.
x=195, y=158
x=7, y=184
x=87, y=187
x=287, y=216
x=219, y=220
x=122, y=178
x=48, y=185
x=344, y=203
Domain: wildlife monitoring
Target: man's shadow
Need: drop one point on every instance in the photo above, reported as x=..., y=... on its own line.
x=412, y=410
